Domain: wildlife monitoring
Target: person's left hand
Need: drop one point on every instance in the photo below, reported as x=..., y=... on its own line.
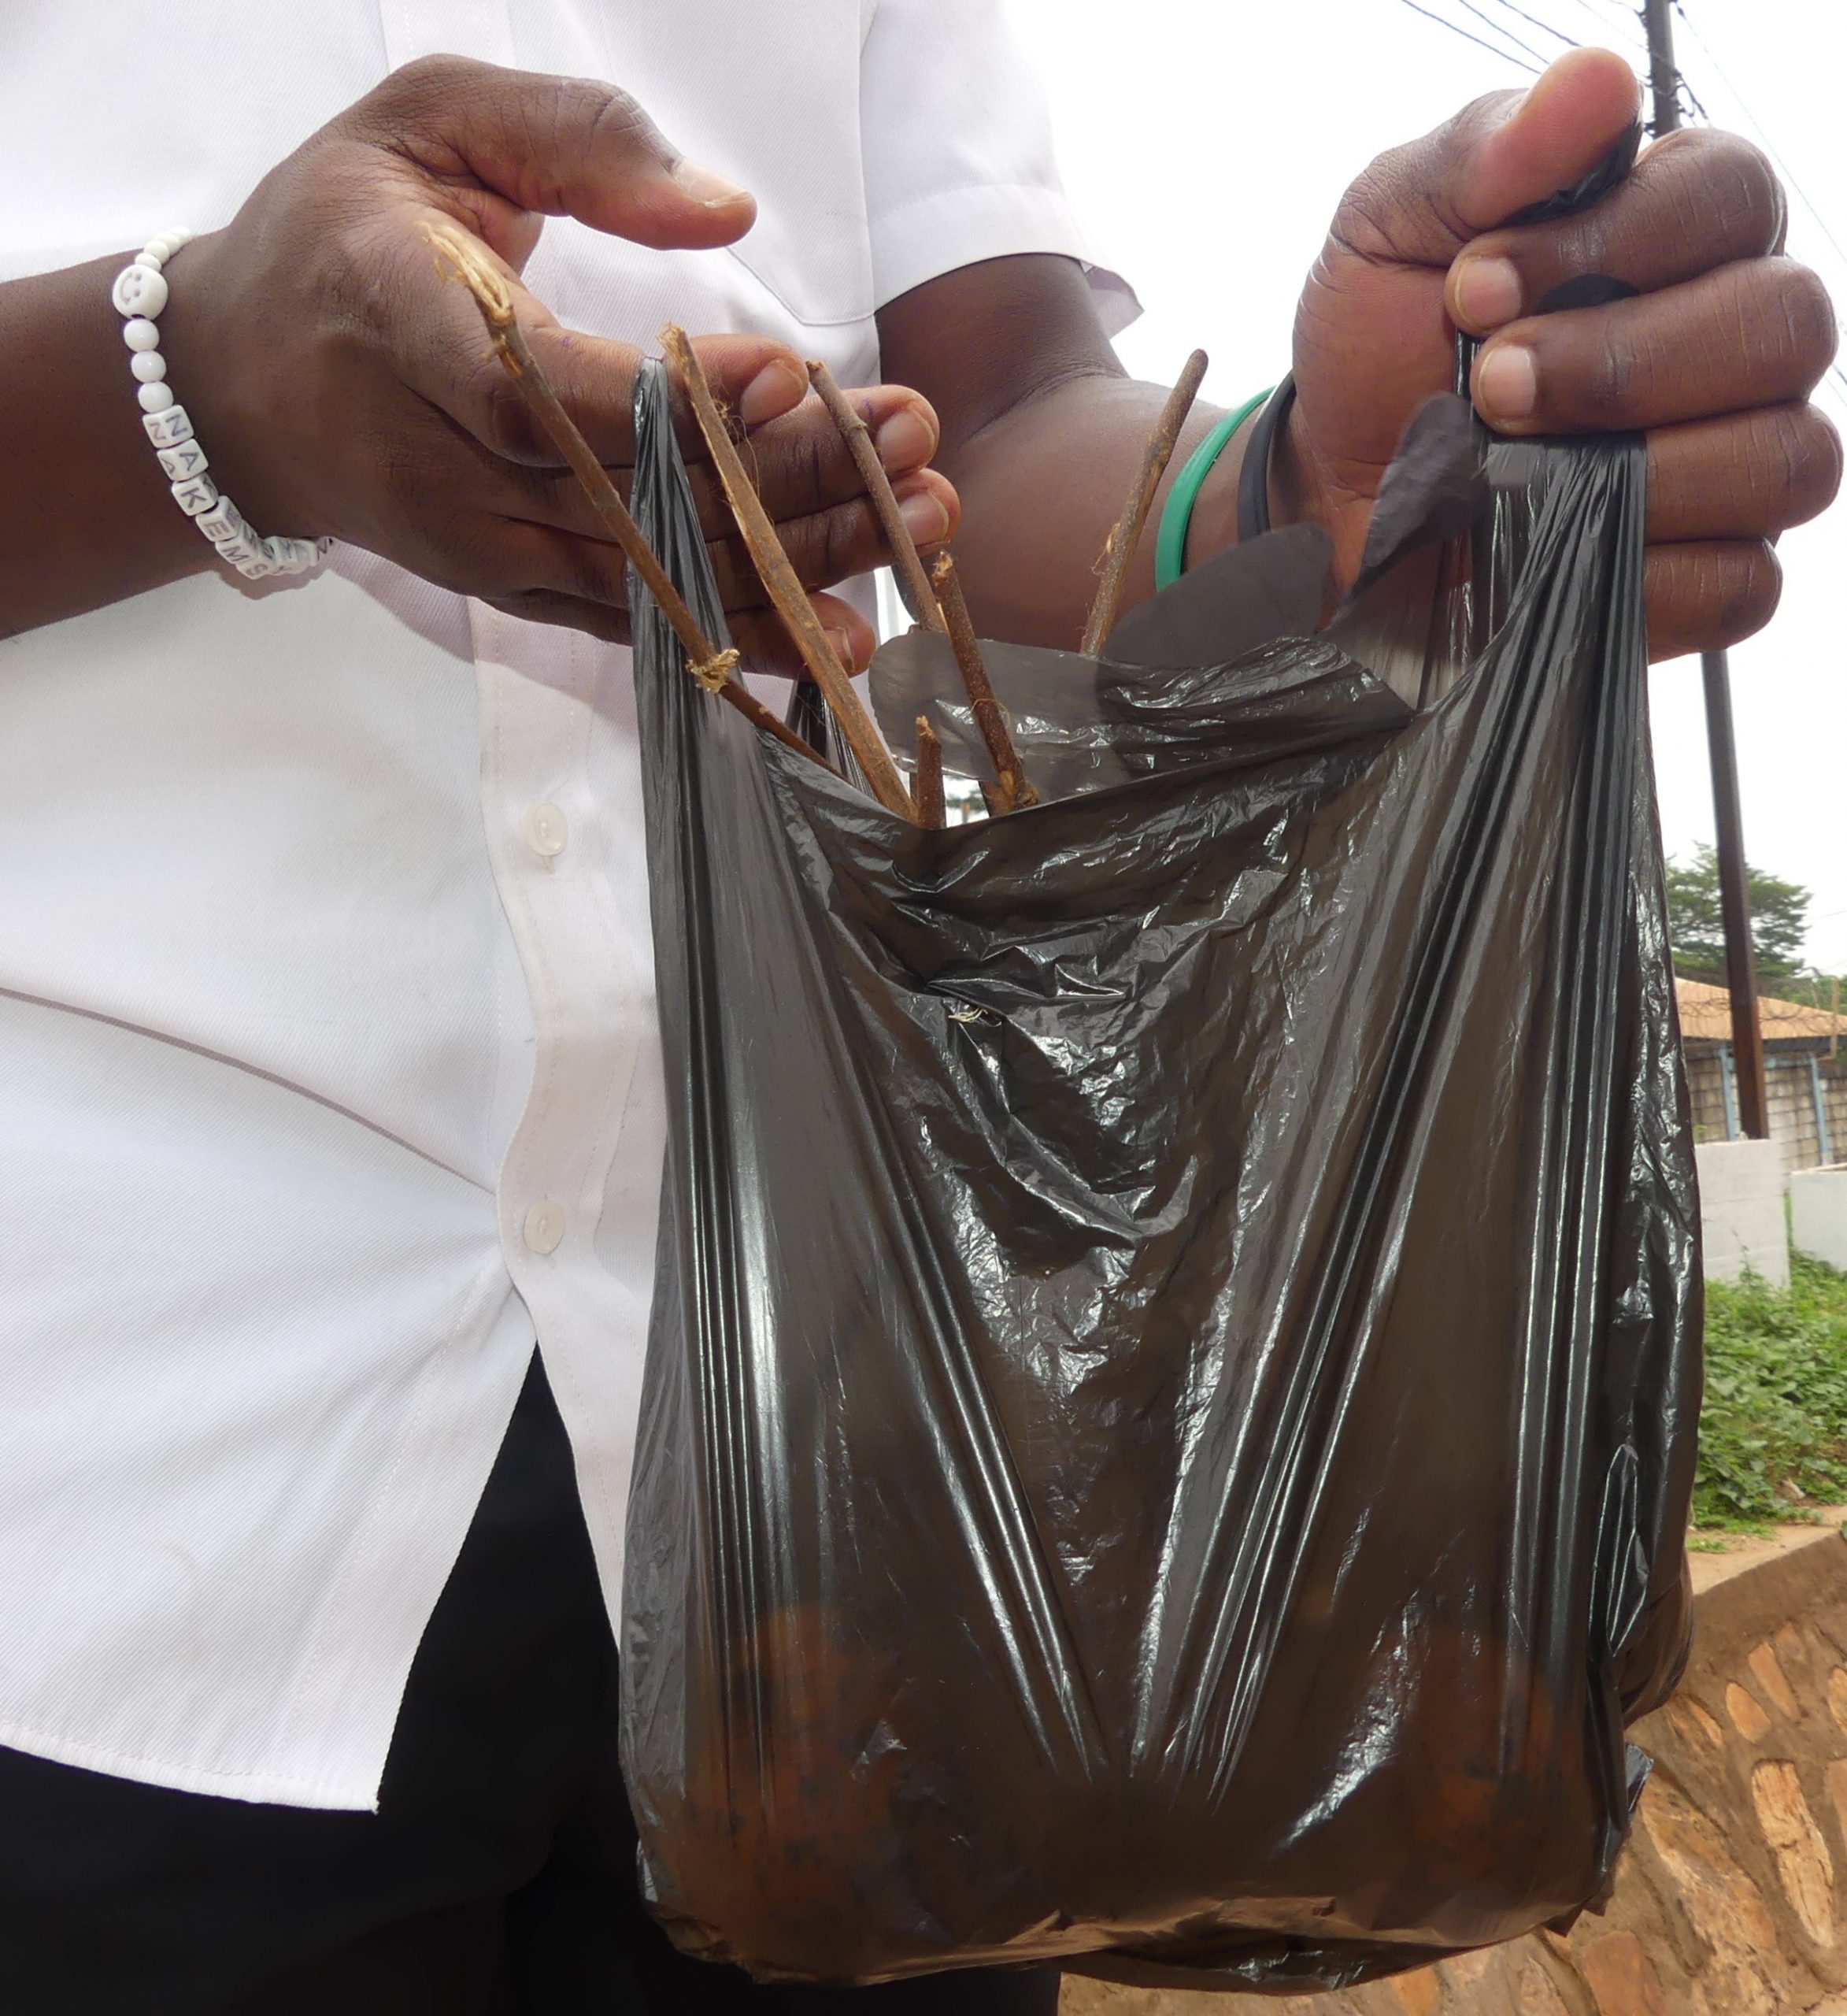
x=1714, y=359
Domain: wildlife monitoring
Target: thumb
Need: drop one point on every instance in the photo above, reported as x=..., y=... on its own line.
x=1420, y=203
x=1552, y=137
x=558, y=146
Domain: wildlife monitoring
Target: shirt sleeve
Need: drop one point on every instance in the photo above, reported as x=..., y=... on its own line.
x=957, y=145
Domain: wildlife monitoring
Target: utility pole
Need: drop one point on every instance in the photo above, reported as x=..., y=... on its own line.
x=1734, y=894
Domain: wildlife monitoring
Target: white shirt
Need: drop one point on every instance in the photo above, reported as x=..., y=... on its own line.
x=298, y=1024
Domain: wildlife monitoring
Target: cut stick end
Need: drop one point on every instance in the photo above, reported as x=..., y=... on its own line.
x=461, y=257
x=926, y=789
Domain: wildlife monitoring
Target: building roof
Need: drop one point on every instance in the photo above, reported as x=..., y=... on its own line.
x=1705, y=1016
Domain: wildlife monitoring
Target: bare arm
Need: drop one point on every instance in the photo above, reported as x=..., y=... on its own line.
x=1042, y=433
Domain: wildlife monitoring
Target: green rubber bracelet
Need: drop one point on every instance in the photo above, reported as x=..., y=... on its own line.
x=1176, y=516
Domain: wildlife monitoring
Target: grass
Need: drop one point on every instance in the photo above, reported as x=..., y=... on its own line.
x=1773, y=1431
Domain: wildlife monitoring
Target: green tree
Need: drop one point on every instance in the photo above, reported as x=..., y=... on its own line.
x=1779, y=920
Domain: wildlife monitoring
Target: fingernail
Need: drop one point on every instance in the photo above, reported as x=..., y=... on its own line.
x=925, y=518
x=906, y=441
x=1488, y=292
x=1507, y=383
x=704, y=186
x=778, y=388
x=842, y=645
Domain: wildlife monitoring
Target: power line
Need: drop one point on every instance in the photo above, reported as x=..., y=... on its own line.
x=1526, y=48
x=1544, y=27
x=1836, y=382
x=1807, y=201
x=1609, y=26
x=1456, y=28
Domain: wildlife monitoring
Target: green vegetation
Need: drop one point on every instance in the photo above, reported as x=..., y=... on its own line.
x=1779, y=921
x=1773, y=1431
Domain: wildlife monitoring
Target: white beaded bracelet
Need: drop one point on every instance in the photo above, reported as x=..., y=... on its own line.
x=140, y=294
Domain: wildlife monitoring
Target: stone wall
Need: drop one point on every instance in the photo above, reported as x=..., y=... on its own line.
x=1731, y=1900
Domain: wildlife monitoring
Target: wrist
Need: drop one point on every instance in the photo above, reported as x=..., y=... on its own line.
x=217, y=373
x=1289, y=502
x=142, y=294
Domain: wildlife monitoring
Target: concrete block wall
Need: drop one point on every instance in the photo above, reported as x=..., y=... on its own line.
x=1818, y=1214
x=1742, y=1185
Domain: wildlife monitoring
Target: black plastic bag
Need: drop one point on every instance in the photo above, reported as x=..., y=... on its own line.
x=1169, y=1412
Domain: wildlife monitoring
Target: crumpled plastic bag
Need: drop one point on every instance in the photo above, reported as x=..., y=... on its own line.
x=1170, y=1414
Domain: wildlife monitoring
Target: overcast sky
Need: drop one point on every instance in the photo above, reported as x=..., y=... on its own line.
x=1206, y=142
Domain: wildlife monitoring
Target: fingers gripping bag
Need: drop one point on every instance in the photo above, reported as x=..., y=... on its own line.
x=1170, y=1411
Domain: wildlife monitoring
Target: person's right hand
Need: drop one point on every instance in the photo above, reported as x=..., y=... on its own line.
x=343, y=387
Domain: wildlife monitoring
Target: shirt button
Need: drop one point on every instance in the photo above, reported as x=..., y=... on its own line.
x=546, y=831
x=545, y=1226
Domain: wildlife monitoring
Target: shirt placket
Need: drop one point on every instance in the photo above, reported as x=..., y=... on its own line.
x=539, y=811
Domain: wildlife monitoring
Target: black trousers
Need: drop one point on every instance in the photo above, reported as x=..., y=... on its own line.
x=497, y=1878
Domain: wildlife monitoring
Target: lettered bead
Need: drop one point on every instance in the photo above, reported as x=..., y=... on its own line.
x=165, y=428
x=139, y=333
x=149, y=366
x=325, y=545
x=155, y=397
x=223, y=521
x=258, y=567
x=140, y=290
x=188, y=459
x=246, y=545
x=196, y=495
x=293, y=556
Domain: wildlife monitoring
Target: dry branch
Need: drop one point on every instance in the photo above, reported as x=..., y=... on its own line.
x=1011, y=786
x=461, y=257
x=785, y=589
x=859, y=445
x=928, y=787
x=1120, y=548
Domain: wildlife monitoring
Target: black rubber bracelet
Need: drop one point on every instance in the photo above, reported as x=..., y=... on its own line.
x=1253, y=478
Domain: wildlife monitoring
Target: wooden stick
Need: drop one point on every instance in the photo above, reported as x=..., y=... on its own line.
x=1119, y=550
x=859, y=445
x=1016, y=793
x=786, y=591
x=926, y=788
x=459, y=258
